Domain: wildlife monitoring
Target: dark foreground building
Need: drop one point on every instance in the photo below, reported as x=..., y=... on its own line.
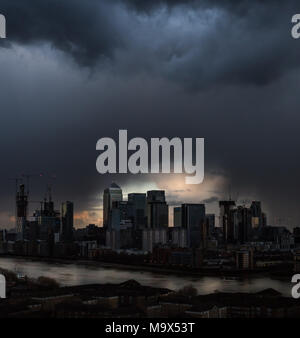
x=133, y=300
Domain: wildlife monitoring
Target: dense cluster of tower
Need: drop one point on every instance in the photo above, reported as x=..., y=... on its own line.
x=145, y=216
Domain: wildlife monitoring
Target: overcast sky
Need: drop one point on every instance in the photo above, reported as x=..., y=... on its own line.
x=74, y=71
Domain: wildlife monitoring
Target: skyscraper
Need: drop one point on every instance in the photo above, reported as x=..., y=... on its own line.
x=157, y=209
x=242, y=223
x=226, y=220
x=193, y=215
x=210, y=224
x=67, y=221
x=257, y=217
x=138, y=204
x=110, y=195
x=156, y=196
x=193, y=219
x=177, y=217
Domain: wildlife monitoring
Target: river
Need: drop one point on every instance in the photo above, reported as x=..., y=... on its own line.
x=73, y=274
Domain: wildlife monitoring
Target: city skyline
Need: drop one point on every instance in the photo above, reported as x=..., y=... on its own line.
x=126, y=198
x=83, y=218
x=140, y=226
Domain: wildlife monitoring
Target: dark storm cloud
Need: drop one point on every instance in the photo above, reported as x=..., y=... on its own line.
x=149, y=5
x=237, y=6
x=226, y=42
x=211, y=42
x=84, y=29
x=240, y=42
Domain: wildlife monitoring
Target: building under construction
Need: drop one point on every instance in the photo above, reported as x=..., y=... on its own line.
x=46, y=222
x=22, y=210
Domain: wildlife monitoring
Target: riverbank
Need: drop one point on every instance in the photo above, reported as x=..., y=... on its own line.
x=72, y=273
x=286, y=273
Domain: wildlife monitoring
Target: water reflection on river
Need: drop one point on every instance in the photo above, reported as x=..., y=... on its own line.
x=72, y=274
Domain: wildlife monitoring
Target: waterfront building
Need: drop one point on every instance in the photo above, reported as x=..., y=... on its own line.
x=154, y=237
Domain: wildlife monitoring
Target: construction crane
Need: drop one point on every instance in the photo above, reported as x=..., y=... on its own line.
x=17, y=180
x=37, y=202
x=49, y=187
x=28, y=177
